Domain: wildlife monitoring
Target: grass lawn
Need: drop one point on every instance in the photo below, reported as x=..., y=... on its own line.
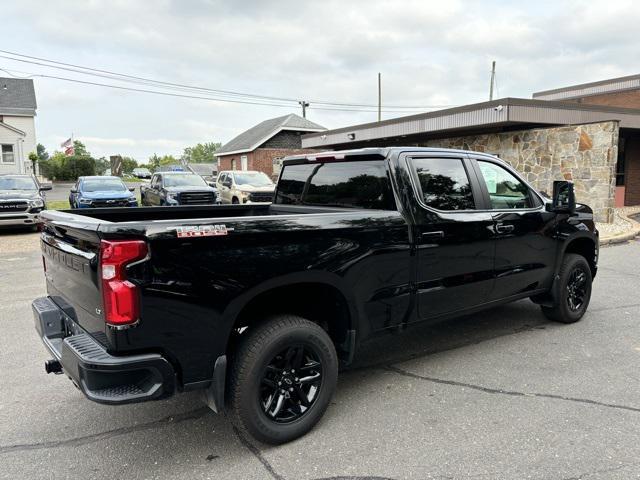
x=57, y=205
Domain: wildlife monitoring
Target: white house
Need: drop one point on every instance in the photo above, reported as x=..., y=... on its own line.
x=17, y=126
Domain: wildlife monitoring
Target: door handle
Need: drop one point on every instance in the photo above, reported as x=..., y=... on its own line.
x=432, y=235
x=502, y=228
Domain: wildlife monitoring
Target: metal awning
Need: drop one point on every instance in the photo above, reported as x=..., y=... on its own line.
x=502, y=113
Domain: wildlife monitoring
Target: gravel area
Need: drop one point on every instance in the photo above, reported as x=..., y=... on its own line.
x=620, y=223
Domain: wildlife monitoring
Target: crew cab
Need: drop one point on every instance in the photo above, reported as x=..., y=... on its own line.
x=177, y=188
x=257, y=305
x=101, y=191
x=21, y=200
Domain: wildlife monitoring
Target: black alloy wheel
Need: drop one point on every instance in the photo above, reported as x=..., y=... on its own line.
x=290, y=384
x=576, y=288
x=283, y=373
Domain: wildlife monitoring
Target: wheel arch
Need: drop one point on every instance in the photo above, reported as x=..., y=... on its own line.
x=585, y=246
x=321, y=297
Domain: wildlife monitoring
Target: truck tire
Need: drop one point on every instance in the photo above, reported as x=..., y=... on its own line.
x=573, y=290
x=283, y=375
x=235, y=201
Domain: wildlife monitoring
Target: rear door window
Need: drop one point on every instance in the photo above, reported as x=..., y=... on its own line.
x=360, y=184
x=444, y=183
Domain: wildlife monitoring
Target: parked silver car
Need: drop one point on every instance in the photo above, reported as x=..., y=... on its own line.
x=244, y=186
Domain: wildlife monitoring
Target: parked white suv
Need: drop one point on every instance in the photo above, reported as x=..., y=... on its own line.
x=244, y=186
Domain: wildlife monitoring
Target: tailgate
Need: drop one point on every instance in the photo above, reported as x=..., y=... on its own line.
x=70, y=253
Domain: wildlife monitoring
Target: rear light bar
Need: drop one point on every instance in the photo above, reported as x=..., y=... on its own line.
x=120, y=296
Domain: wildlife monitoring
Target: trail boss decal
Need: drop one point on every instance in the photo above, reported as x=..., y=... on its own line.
x=201, y=231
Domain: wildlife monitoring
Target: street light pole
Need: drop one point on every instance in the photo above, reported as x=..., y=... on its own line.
x=304, y=104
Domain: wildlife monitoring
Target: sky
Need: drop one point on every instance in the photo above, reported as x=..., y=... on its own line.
x=431, y=54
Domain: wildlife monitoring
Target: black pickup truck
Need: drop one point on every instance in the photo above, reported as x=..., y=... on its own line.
x=258, y=305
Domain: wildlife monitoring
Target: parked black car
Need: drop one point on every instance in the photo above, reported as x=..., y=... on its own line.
x=258, y=305
x=178, y=188
x=21, y=200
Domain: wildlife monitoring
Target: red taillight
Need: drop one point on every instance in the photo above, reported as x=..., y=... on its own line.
x=121, y=302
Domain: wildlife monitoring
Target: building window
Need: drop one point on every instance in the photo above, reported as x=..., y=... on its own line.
x=233, y=164
x=7, y=154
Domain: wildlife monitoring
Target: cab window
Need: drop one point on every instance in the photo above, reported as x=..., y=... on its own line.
x=444, y=183
x=505, y=190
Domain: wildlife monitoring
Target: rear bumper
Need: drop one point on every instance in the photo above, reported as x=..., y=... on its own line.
x=102, y=377
x=19, y=218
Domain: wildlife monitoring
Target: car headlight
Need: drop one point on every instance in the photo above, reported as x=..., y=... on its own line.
x=244, y=192
x=172, y=196
x=36, y=202
x=84, y=201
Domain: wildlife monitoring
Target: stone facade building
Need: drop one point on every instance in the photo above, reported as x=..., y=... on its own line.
x=585, y=154
x=264, y=145
x=587, y=133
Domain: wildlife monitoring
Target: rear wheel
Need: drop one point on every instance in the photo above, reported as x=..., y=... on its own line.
x=283, y=376
x=573, y=290
x=235, y=201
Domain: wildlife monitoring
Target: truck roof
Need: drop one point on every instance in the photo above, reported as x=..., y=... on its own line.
x=373, y=153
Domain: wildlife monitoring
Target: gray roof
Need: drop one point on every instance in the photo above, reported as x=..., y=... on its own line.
x=254, y=137
x=17, y=96
x=475, y=118
x=620, y=84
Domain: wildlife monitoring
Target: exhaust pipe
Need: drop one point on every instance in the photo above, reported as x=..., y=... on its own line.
x=53, y=366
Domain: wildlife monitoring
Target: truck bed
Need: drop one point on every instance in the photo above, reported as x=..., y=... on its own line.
x=142, y=214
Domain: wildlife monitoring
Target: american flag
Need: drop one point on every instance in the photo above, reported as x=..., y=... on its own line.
x=67, y=145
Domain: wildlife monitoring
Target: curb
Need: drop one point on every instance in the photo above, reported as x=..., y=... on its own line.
x=623, y=237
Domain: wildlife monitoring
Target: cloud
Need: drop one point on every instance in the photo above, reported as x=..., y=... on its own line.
x=429, y=52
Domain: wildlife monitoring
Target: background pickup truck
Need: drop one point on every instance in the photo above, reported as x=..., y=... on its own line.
x=177, y=188
x=258, y=305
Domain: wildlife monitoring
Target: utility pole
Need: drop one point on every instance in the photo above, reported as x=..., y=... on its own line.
x=493, y=79
x=379, y=97
x=304, y=104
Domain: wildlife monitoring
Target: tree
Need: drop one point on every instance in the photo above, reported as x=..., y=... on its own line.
x=41, y=151
x=201, y=153
x=128, y=164
x=79, y=149
x=33, y=156
x=155, y=161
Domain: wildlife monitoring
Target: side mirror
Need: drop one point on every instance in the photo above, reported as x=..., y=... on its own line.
x=74, y=190
x=46, y=186
x=227, y=183
x=132, y=189
x=564, y=198
x=211, y=184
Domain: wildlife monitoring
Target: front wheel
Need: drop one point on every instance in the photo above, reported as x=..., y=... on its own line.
x=573, y=291
x=283, y=376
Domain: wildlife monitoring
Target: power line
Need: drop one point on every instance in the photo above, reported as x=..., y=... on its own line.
x=182, y=87
x=197, y=97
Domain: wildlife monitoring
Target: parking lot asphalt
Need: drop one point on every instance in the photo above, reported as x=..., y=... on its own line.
x=504, y=394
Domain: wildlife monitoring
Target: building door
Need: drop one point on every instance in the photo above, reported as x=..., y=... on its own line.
x=243, y=163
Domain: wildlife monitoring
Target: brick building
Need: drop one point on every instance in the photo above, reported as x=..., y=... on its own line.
x=264, y=145
x=588, y=133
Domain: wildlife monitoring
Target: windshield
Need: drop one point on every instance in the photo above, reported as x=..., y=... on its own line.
x=184, y=181
x=17, y=183
x=103, y=185
x=257, y=179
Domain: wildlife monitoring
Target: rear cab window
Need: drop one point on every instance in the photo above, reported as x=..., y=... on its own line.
x=356, y=184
